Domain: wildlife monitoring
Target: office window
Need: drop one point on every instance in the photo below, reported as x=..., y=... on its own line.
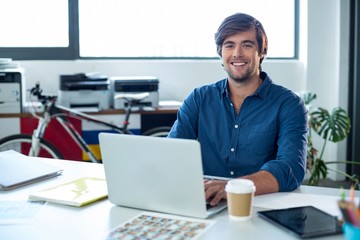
x=163, y=28
x=73, y=29
x=38, y=29
x=35, y=23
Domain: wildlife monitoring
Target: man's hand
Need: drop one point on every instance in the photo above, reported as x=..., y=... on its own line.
x=264, y=181
x=214, y=191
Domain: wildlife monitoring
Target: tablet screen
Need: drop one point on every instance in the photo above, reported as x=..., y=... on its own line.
x=305, y=222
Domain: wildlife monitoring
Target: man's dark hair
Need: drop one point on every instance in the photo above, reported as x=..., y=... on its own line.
x=241, y=22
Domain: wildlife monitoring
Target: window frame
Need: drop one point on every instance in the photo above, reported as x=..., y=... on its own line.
x=72, y=52
x=51, y=53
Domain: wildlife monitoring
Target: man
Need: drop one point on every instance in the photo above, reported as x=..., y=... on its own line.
x=247, y=126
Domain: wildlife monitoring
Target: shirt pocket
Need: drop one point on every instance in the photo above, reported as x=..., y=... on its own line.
x=261, y=143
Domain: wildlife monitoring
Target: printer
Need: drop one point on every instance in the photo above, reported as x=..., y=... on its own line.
x=135, y=85
x=86, y=92
x=12, y=90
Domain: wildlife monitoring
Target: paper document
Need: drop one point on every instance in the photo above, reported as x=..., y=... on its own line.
x=160, y=226
x=15, y=212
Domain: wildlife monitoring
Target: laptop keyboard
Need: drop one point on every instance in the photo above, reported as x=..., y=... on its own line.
x=215, y=178
x=222, y=202
x=209, y=178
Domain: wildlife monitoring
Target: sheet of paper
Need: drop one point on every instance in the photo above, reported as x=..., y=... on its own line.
x=328, y=204
x=160, y=226
x=15, y=212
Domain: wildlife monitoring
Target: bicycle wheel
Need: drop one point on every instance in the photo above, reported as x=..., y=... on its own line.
x=158, y=132
x=22, y=142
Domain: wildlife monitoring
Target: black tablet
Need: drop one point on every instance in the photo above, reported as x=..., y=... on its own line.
x=304, y=222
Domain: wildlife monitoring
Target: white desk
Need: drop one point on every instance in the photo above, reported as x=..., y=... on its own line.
x=94, y=221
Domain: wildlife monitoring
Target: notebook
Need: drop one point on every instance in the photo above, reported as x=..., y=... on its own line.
x=155, y=174
x=17, y=170
x=78, y=192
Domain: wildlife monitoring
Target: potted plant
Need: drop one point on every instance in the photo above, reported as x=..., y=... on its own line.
x=333, y=127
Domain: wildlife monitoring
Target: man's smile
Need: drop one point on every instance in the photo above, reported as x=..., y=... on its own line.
x=238, y=63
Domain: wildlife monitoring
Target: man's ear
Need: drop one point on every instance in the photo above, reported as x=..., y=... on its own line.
x=264, y=52
x=261, y=55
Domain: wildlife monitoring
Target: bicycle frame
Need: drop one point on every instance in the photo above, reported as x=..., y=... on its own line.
x=60, y=113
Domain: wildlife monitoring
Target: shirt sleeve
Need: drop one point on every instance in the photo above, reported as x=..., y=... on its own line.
x=289, y=167
x=185, y=125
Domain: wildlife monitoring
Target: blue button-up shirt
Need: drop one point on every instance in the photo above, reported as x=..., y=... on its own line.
x=269, y=133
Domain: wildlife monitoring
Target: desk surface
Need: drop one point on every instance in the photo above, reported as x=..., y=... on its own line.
x=95, y=220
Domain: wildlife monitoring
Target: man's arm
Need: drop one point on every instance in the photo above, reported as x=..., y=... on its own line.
x=264, y=182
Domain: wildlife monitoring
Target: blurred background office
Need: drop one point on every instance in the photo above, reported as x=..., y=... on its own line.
x=313, y=46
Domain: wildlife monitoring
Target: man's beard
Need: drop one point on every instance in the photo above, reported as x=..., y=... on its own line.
x=243, y=79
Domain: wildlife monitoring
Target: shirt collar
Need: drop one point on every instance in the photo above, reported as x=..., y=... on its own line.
x=264, y=88
x=261, y=91
x=224, y=87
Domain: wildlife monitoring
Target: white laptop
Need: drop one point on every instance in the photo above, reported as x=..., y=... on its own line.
x=17, y=170
x=155, y=174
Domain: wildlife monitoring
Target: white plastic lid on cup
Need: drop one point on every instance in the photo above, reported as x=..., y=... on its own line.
x=240, y=186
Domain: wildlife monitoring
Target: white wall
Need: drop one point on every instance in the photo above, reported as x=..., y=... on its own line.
x=177, y=77
x=322, y=67
x=327, y=63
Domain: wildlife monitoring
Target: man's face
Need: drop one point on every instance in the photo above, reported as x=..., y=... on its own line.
x=240, y=56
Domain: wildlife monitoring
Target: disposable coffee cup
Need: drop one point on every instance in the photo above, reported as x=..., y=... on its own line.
x=240, y=194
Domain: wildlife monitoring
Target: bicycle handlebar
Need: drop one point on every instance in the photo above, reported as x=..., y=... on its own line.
x=37, y=91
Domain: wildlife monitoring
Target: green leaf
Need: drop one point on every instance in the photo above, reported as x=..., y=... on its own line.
x=322, y=168
x=333, y=127
x=308, y=97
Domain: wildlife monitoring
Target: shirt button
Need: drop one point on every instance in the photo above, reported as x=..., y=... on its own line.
x=236, y=126
x=231, y=173
x=232, y=149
